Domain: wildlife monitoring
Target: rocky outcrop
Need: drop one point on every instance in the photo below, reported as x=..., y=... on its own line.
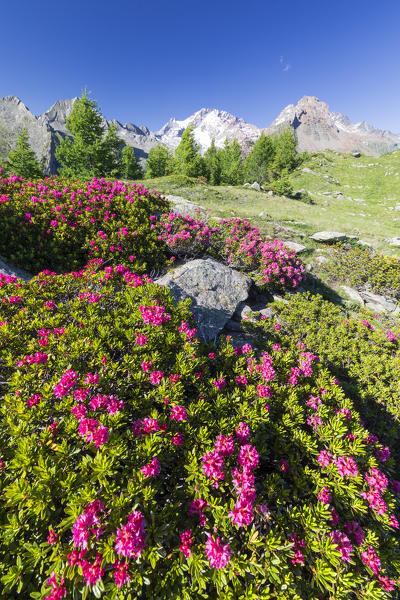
x=10, y=269
x=329, y=237
x=215, y=291
x=316, y=129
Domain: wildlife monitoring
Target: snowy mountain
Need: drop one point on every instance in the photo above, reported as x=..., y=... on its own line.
x=315, y=127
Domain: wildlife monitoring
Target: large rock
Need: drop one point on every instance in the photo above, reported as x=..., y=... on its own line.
x=256, y=186
x=10, y=269
x=298, y=248
x=184, y=206
x=352, y=294
x=215, y=291
x=329, y=236
x=395, y=242
x=380, y=304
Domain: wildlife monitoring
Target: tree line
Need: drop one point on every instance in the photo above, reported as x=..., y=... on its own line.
x=93, y=151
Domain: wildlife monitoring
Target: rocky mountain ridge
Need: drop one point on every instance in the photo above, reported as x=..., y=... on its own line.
x=313, y=124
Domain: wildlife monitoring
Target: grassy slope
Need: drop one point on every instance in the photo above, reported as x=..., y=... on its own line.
x=367, y=209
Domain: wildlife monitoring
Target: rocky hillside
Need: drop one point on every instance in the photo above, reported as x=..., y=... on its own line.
x=317, y=128
x=314, y=125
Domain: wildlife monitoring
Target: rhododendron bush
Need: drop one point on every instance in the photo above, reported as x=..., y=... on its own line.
x=60, y=224
x=236, y=242
x=137, y=463
x=361, y=352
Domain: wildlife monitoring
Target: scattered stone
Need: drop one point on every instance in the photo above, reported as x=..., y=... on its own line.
x=298, y=248
x=329, y=236
x=184, y=206
x=380, y=304
x=395, y=242
x=352, y=294
x=12, y=270
x=215, y=291
x=246, y=185
x=256, y=186
x=270, y=193
x=307, y=170
x=356, y=154
x=321, y=259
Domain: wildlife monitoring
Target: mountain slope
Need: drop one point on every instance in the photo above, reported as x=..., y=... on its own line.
x=315, y=127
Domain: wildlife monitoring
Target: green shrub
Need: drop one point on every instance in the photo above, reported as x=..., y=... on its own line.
x=365, y=358
x=363, y=268
x=133, y=456
x=59, y=224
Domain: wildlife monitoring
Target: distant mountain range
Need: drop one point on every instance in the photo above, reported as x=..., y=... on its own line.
x=315, y=127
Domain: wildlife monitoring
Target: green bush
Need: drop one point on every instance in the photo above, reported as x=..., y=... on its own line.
x=363, y=268
x=132, y=456
x=59, y=224
x=365, y=358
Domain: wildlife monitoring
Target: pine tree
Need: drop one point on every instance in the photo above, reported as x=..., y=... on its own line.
x=212, y=164
x=109, y=155
x=188, y=159
x=89, y=153
x=22, y=160
x=129, y=166
x=258, y=164
x=159, y=162
x=231, y=163
x=286, y=156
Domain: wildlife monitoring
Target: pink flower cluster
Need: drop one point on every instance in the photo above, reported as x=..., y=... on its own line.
x=154, y=314
x=186, y=542
x=131, y=538
x=87, y=524
x=377, y=483
x=342, y=543
x=92, y=431
x=58, y=591
x=67, y=382
x=298, y=546
x=218, y=554
x=34, y=359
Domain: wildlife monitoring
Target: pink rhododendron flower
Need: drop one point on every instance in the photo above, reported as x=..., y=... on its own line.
x=131, y=539
x=243, y=433
x=220, y=383
x=342, y=543
x=186, y=542
x=177, y=439
x=52, y=538
x=152, y=469
x=212, y=464
x=58, y=591
x=371, y=560
x=225, y=445
x=92, y=572
x=324, y=496
x=353, y=528
x=33, y=400
x=346, y=466
x=218, y=554
x=156, y=377
x=120, y=573
x=248, y=457
x=178, y=413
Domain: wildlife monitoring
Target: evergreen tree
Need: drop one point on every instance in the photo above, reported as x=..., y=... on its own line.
x=109, y=153
x=188, y=159
x=212, y=164
x=22, y=160
x=129, y=166
x=159, y=162
x=258, y=164
x=90, y=153
x=231, y=163
x=285, y=147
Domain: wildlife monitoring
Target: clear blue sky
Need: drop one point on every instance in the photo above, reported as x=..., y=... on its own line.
x=145, y=61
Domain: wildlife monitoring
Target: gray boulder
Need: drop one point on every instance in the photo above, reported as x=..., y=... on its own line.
x=380, y=304
x=352, y=294
x=10, y=269
x=215, y=291
x=256, y=186
x=329, y=236
x=184, y=206
x=395, y=242
x=298, y=248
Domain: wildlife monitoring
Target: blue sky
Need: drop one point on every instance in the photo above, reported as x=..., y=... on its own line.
x=145, y=61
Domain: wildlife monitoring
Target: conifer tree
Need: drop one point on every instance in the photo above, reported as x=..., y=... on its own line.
x=212, y=164
x=159, y=162
x=258, y=164
x=22, y=160
x=188, y=159
x=285, y=149
x=231, y=163
x=129, y=166
x=89, y=153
